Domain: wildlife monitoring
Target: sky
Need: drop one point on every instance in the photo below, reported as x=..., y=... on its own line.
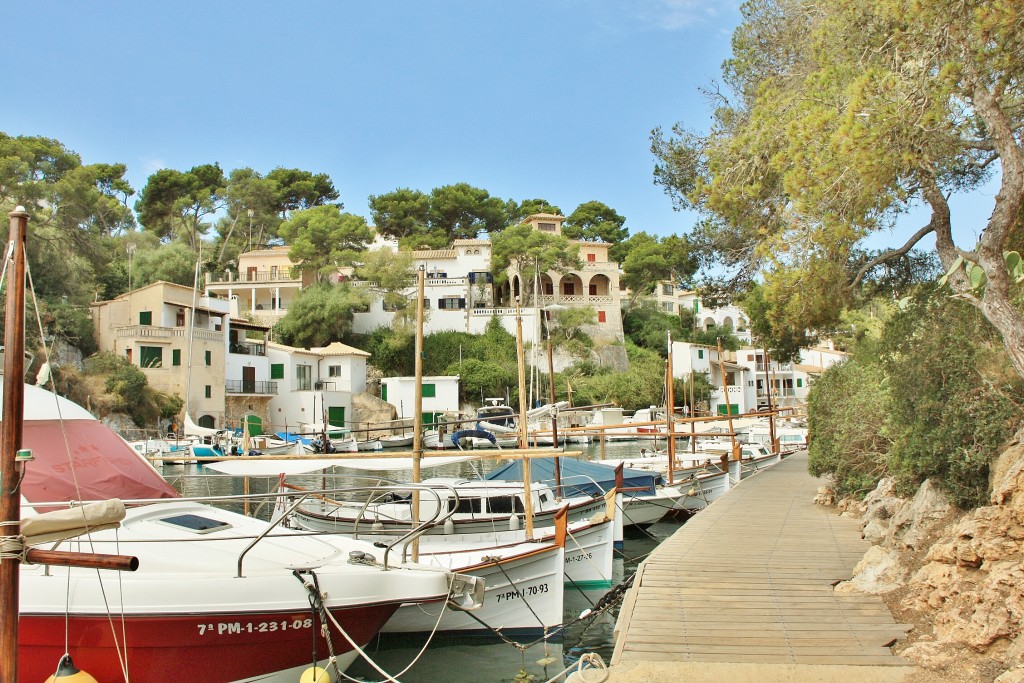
x=552, y=99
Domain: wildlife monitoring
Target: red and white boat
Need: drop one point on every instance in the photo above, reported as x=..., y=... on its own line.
x=213, y=599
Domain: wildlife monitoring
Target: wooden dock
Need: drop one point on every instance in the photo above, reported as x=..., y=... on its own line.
x=749, y=580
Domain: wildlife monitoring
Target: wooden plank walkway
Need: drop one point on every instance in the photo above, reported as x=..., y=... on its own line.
x=749, y=580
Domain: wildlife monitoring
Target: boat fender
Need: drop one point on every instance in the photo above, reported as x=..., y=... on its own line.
x=68, y=673
x=449, y=526
x=513, y=523
x=315, y=674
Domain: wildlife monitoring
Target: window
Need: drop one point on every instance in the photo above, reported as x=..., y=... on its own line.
x=151, y=357
x=208, y=392
x=799, y=382
x=568, y=288
x=383, y=392
x=700, y=354
x=209, y=357
x=303, y=377
x=546, y=227
x=277, y=371
x=591, y=258
x=466, y=505
x=451, y=303
x=334, y=371
x=429, y=391
x=592, y=290
x=175, y=356
x=602, y=317
x=667, y=306
x=666, y=289
x=696, y=306
x=145, y=317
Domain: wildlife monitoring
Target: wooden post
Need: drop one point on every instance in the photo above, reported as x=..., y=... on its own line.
x=728, y=410
x=771, y=405
x=523, y=437
x=670, y=401
x=554, y=420
x=10, y=440
x=693, y=417
x=417, y=418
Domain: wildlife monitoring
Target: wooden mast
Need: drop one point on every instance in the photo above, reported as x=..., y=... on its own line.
x=417, y=418
x=554, y=419
x=728, y=408
x=771, y=404
x=670, y=418
x=10, y=439
x=523, y=434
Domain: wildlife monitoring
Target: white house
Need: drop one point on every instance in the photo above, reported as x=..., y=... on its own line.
x=314, y=385
x=440, y=395
x=673, y=299
x=748, y=376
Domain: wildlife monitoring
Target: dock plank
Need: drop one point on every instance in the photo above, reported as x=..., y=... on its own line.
x=750, y=580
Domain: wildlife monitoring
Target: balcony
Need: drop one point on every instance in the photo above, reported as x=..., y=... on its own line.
x=253, y=277
x=310, y=385
x=241, y=386
x=154, y=332
x=248, y=349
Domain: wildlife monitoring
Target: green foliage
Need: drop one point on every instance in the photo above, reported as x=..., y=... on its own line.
x=783, y=338
x=320, y=315
x=461, y=211
x=848, y=410
x=522, y=210
x=389, y=275
x=642, y=386
x=648, y=328
x=176, y=204
x=595, y=222
x=647, y=260
x=72, y=324
x=567, y=327
x=712, y=336
x=128, y=387
x=934, y=397
x=400, y=213
x=323, y=239
x=392, y=353
x=840, y=117
x=174, y=262
x=955, y=399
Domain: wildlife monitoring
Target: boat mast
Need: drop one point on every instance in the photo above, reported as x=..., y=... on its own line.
x=10, y=440
x=670, y=417
x=728, y=407
x=417, y=417
x=523, y=437
x=191, y=334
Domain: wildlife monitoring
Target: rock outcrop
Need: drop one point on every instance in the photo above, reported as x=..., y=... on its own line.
x=958, y=576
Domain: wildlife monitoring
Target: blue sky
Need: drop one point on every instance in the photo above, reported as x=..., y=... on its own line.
x=553, y=99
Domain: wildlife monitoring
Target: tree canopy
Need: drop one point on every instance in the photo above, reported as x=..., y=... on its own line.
x=527, y=250
x=323, y=239
x=595, y=222
x=650, y=260
x=840, y=116
x=178, y=204
x=320, y=315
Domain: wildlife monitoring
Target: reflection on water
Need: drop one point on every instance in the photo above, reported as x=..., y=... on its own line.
x=465, y=659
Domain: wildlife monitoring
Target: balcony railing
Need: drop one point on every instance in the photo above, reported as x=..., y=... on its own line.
x=311, y=385
x=241, y=386
x=154, y=332
x=248, y=348
x=280, y=275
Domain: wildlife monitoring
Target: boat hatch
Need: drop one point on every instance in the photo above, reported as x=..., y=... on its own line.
x=505, y=504
x=197, y=524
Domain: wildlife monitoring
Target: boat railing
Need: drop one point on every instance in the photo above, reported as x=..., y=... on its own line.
x=301, y=496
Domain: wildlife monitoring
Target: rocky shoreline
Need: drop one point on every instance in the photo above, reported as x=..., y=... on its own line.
x=957, y=576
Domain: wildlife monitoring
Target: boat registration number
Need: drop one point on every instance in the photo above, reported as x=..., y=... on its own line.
x=576, y=558
x=525, y=591
x=222, y=628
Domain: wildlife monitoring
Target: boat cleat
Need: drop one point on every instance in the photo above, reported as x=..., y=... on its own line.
x=466, y=592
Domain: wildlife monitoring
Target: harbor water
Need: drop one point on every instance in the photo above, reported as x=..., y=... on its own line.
x=476, y=659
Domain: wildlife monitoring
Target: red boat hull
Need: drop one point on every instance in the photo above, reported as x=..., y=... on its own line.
x=211, y=648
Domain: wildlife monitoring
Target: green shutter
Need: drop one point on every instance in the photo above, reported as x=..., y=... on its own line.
x=383, y=392
x=145, y=317
x=175, y=356
x=209, y=391
x=700, y=353
x=799, y=381
x=429, y=391
x=277, y=371
x=209, y=356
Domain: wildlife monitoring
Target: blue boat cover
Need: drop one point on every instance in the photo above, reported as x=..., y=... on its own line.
x=578, y=476
x=288, y=436
x=472, y=433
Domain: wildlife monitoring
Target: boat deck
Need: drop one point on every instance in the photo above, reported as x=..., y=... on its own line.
x=749, y=580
